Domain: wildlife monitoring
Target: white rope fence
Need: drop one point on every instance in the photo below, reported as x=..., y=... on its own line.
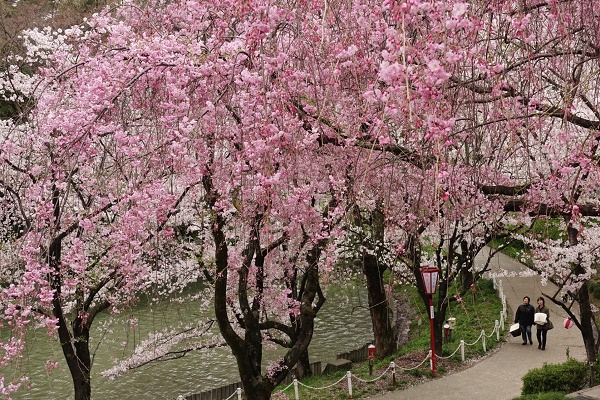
x=462, y=344
x=349, y=375
x=238, y=392
x=498, y=326
x=460, y=347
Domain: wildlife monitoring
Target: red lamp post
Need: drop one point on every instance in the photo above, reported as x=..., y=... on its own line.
x=429, y=275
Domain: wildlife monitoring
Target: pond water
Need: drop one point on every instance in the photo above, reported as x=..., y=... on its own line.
x=343, y=324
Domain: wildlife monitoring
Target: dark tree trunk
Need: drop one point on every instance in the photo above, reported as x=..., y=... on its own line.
x=75, y=344
x=439, y=318
x=303, y=367
x=589, y=330
x=257, y=391
x=77, y=355
x=587, y=324
x=466, y=267
x=81, y=367
x=383, y=329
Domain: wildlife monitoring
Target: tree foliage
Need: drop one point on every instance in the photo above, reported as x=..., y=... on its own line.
x=403, y=133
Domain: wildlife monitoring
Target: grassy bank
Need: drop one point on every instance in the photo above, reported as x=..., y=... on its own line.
x=477, y=312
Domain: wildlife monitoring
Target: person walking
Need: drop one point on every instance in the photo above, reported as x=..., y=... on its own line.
x=524, y=316
x=542, y=330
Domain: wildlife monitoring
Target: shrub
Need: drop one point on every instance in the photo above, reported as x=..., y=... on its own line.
x=567, y=377
x=543, y=396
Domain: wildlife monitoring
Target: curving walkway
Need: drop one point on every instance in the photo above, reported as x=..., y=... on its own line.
x=498, y=377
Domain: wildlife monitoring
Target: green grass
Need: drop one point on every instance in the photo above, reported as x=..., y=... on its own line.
x=478, y=312
x=542, y=228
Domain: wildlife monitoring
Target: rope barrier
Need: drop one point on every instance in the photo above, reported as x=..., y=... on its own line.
x=324, y=387
x=288, y=386
x=493, y=331
x=349, y=375
x=238, y=392
x=372, y=380
x=498, y=325
x=422, y=362
x=476, y=340
x=451, y=355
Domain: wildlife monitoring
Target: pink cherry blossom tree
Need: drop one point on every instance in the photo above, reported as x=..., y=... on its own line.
x=127, y=130
x=528, y=105
x=499, y=92
x=429, y=121
x=92, y=186
x=533, y=114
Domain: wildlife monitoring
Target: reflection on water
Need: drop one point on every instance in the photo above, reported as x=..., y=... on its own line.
x=343, y=324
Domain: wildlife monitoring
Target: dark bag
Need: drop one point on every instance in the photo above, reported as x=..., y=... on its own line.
x=549, y=325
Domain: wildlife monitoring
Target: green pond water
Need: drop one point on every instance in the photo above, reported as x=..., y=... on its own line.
x=343, y=324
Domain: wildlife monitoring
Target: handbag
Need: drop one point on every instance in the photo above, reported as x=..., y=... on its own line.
x=549, y=325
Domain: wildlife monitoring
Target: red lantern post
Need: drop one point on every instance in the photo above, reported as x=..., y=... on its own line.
x=429, y=275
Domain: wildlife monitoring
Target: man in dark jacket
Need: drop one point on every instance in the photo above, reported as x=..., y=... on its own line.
x=524, y=316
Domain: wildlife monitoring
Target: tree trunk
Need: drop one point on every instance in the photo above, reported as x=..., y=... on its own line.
x=254, y=385
x=466, y=267
x=587, y=325
x=76, y=350
x=440, y=319
x=248, y=349
x=75, y=345
x=83, y=387
x=303, y=367
x=257, y=391
x=589, y=330
x=383, y=330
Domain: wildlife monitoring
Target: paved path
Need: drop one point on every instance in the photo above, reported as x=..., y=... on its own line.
x=498, y=377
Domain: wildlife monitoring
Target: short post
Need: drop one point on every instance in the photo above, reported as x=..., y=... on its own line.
x=393, y=373
x=430, y=360
x=501, y=320
x=446, y=333
x=462, y=350
x=497, y=328
x=296, y=388
x=483, y=340
x=349, y=375
x=451, y=325
x=371, y=357
x=239, y=393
